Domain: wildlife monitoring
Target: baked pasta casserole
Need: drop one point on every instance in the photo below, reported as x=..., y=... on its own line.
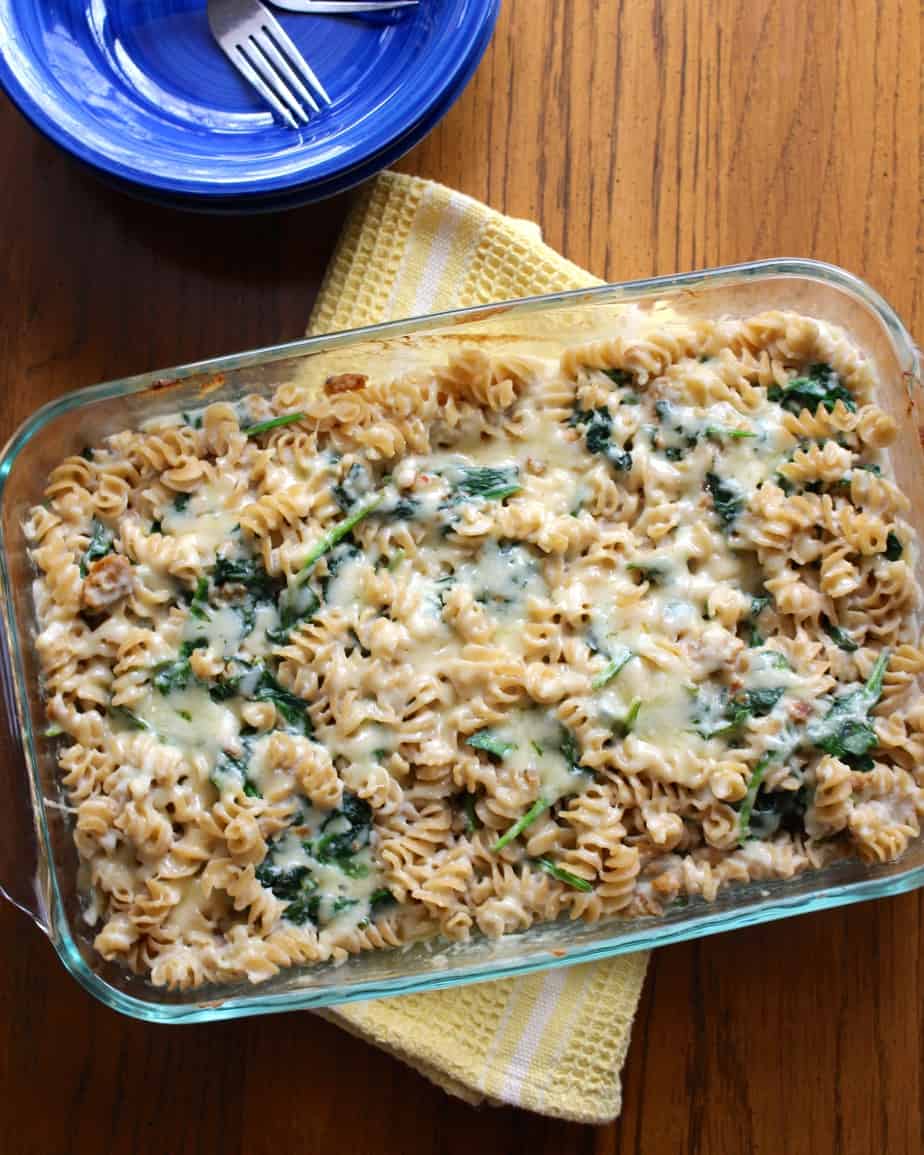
x=513, y=640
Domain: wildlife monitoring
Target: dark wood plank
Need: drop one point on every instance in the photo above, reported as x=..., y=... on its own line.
x=645, y=138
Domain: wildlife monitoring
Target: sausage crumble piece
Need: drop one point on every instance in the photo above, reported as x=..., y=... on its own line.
x=108, y=580
x=345, y=383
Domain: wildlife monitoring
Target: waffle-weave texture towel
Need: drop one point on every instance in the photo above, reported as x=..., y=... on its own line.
x=553, y=1042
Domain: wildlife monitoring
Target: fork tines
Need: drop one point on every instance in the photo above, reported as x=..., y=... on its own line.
x=259, y=47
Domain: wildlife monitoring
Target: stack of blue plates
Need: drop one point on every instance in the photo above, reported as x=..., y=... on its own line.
x=139, y=90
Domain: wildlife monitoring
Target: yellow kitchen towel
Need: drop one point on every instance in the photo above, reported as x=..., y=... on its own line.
x=553, y=1042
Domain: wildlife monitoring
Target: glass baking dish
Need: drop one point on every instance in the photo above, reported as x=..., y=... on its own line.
x=38, y=861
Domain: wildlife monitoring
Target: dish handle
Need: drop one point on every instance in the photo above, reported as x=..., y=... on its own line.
x=22, y=861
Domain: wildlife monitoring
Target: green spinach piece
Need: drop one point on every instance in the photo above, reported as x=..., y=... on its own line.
x=727, y=498
x=894, y=548
x=180, y=502
x=490, y=743
x=598, y=428
x=619, y=659
x=759, y=603
x=472, y=821
x=628, y=723
x=272, y=423
x=618, y=376
x=727, y=715
x=293, y=885
x=337, y=533
x=380, y=900
x=175, y=675
x=840, y=637
x=246, y=572
x=100, y=546
x=345, y=831
x=720, y=431
x=129, y=718
x=521, y=824
x=200, y=599
x=488, y=482
x=229, y=768
x=297, y=603
x=563, y=875
x=820, y=385
x=293, y=710
x=654, y=572
x=846, y=731
x=354, y=487
x=747, y=804
x=775, y=810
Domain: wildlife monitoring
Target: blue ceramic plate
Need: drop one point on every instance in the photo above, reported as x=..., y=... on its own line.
x=310, y=192
x=138, y=89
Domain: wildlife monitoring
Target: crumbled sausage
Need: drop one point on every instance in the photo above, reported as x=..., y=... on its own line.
x=109, y=579
x=345, y=382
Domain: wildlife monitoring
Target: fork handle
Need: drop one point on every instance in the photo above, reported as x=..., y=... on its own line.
x=383, y=13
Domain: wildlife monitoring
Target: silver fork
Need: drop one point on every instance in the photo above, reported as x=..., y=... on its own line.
x=343, y=7
x=261, y=50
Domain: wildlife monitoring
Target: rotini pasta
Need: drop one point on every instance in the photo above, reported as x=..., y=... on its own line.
x=459, y=652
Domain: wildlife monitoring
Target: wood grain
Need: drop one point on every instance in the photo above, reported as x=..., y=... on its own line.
x=645, y=137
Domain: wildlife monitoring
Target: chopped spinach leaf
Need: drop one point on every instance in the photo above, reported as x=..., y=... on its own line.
x=846, y=731
x=563, y=875
x=472, y=821
x=620, y=658
x=293, y=885
x=894, y=548
x=570, y=749
x=758, y=604
x=654, y=572
x=247, y=572
x=291, y=708
x=181, y=501
x=727, y=498
x=100, y=545
x=272, y=423
x=778, y=809
x=490, y=743
x=381, y=899
x=632, y=717
x=488, y=482
x=720, y=431
x=345, y=831
x=197, y=607
x=819, y=386
x=715, y=714
x=747, y=805
x=598, y=428
x=229, y=769
x=354, y=487
x=840, y=637
x=129, y=718
x=175, y=675
x=618, y=376
x=521, y=824
x=337, y=533
x=297, y=603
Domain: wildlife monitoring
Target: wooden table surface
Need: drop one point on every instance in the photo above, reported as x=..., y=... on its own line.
x=646, y=136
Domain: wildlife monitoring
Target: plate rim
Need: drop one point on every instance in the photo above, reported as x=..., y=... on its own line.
x=201, y=193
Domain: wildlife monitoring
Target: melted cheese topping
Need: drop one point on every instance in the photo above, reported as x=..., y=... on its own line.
x=470, y=648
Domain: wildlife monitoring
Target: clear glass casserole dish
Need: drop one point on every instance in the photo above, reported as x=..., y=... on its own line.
x=38, y=860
